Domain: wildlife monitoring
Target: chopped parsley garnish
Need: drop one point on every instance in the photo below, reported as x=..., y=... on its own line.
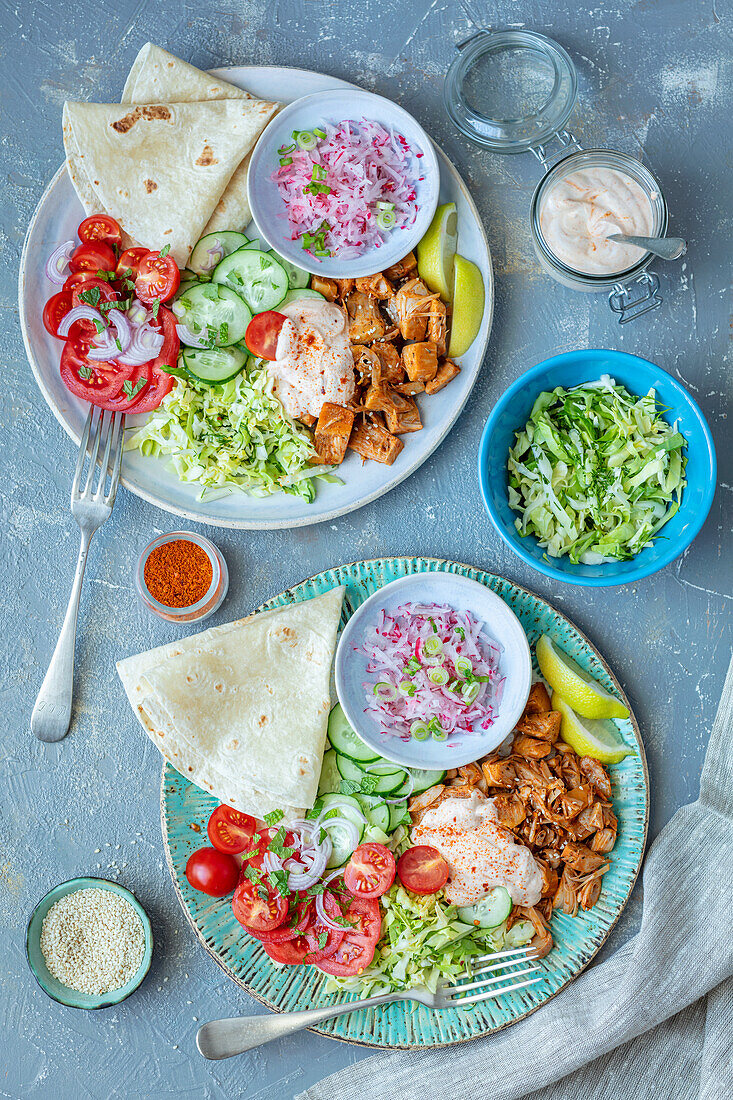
x=90, y=296
x=252, y=874
x=316, y=811
x=322, y=940
x=277, y=845
x=155, y=307
x=164, y=251
x=133, y=390
x=273, y=818
x=248, y=855
x=85, y=372
x=279, y=881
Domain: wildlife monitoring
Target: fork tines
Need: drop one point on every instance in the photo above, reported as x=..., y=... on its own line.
x=486, y=987
x=102, y=432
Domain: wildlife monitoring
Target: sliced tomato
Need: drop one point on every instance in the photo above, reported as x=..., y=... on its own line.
x=100, y=227
x=262, y=333
x=258, y=906
x=93, y=257
x=85, y=294
x=54, y=312
x=78, y=278
x=423, y=870
x=370, y=872
x=211, y=872
x=366, y=920
x=97, y=383
x=133, y=391
x=129, y=262
x=323, y=941
x=161, y=382
x=158, y=278
x=230, y=830
x=356, y=950
x=289, y=953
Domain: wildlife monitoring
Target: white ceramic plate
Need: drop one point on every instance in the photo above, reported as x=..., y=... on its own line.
x=501, y=624
x=56, y=219
x=269, y=210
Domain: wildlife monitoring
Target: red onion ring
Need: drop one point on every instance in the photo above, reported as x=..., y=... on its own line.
x=106, y=346
x=189, y=338
x=56, y=271
x=145, y=345
x=78, y=313
x=323, y=916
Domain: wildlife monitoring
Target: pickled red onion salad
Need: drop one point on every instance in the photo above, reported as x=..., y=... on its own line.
x=436, y=673
x=345, y=187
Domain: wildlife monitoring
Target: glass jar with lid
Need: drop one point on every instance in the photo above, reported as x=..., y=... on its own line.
x=513, y=91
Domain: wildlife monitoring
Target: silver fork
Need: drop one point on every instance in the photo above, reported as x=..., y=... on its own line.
x=224, y=1038
x=90, y=507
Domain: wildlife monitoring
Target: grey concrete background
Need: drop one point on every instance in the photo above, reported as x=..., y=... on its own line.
x=654, y=80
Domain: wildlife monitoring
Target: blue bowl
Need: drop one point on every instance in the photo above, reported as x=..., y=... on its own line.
x=638, y=375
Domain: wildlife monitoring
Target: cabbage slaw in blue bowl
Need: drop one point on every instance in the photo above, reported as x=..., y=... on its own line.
x=638, y=375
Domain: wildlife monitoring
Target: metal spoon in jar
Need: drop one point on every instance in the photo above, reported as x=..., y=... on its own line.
x=669, y=248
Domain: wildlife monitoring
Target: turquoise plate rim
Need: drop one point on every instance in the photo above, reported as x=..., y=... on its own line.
x=52, y=987
x=364, y=1027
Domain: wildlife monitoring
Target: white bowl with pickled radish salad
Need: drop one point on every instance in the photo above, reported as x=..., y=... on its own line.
x=432, y=671
x=343, y=183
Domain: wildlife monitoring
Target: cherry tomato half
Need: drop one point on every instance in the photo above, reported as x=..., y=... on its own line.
x=263, y=332
x=258, y=912
x=356, y=950
x=83, y=294
x=289, y=953
x=100, y=227
x=158, y=278
x=423, y=870
x=129, y=262
x=211, y=872
x=370, y=872
x=54, y=312
x=97, y=383
x=231, y=831
x=94, y=257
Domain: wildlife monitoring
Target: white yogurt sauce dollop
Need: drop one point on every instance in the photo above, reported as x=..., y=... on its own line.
x=580, y=212
x=313, y=362
x=481, y=853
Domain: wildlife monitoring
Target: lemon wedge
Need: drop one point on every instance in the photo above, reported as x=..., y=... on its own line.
x=436, y=251
x=468, y=306
x=584, y=694
x=594, y=737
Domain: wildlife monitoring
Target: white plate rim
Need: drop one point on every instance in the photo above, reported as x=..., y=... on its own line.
x=233, y=73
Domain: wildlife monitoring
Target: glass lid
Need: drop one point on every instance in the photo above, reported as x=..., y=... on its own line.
x=510, y=90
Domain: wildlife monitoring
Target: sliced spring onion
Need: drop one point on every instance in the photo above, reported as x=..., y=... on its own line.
x=438, y=676
x=407, y=687
x=420, y=731
x=432, y=646
x=470, y=691
x=386, y=692
x=386, y=219
x=306, y=139
x=463, y=666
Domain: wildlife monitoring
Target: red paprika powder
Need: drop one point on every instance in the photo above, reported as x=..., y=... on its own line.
x=178, y=573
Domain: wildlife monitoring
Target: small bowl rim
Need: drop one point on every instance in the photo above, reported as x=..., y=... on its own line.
x=455, y=757
x=365, y=264
x=642, y=569
x=113, y=997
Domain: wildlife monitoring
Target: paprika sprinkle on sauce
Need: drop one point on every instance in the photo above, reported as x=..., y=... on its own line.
x=182, y=577
x=178, y=573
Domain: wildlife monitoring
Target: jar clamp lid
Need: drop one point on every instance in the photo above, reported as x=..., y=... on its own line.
x=513, y=91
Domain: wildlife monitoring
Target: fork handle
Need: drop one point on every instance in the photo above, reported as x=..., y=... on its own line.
x=51, y=715
x=224, y=1038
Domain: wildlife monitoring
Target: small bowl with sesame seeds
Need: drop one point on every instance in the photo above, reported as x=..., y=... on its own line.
x=89, y=943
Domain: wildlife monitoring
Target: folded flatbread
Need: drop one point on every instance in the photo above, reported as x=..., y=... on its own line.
x=159, y=169
x=242, y=710
x=159, y=77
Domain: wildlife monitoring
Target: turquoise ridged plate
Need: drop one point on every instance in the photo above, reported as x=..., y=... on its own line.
x=185, y=810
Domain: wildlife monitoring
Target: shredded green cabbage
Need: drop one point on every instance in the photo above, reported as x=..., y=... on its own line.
x=423, y=943
x=235, y=437
x=596, y=472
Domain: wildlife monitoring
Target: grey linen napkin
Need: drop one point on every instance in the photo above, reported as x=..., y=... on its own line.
x=654, y=1020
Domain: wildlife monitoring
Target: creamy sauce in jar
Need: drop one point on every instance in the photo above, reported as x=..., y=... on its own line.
x=578, y=214
x=481, y=853
x=313, y=361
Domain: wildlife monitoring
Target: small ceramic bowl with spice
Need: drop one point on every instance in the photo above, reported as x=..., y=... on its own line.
x=89, y=943
x=182, y=577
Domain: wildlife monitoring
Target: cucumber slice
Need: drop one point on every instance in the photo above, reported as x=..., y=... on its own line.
x=374, y=834
x=258, y=245
x=490, y=911
x=297, y=278
x=215, y=312
x=345, y=806
x=376, y=810
x=422, y=778
x=214, y=366
x=389, y=776
x=293, y=295
x=398, y=815
x=261, y=280
x=226, y=239
x=345, y=741
x=186, y=284
x=330, y=778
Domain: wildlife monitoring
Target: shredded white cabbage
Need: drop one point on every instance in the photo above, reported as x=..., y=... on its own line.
x=596, y=472
x=235, y=437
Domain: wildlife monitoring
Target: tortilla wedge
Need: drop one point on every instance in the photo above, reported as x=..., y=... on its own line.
x=159, y=169
x=242, y=710
x=159, y=77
